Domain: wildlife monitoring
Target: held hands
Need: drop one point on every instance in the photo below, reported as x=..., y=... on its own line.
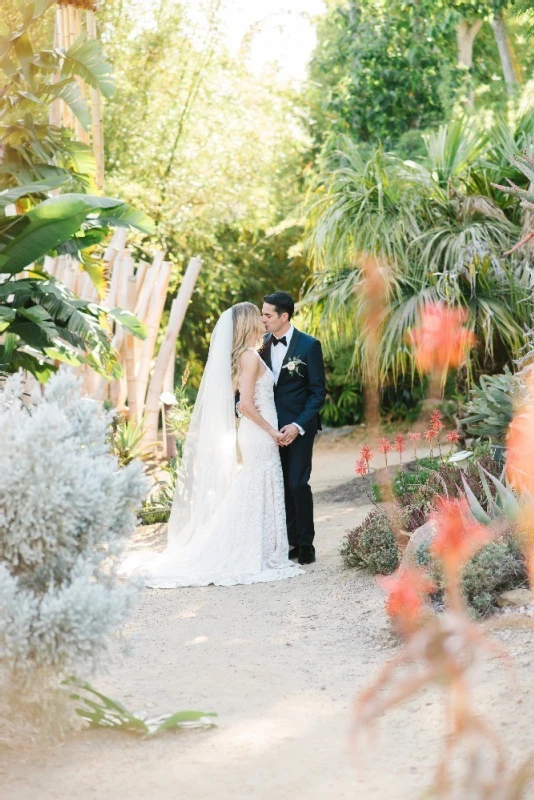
x=288, y=434
x=276, y=436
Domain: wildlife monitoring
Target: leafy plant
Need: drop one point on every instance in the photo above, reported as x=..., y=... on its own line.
x=42, y=323
x=372, y=544
x=497, y=567
x=103, y=712
x=127, y=440
x=490, y=408
x=157, y=508
x=439, y=229
x=34, y=149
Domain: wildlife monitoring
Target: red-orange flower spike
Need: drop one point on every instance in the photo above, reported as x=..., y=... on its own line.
x=436, y=420
x=385, y=446
x=441, y=341
x=414, y=437
x=361, y=467
x=453, y=437
x=406, y=590
x=458, y=535
x=431, y=434
x=366, y=453
x=400, y=443
x=520, y=446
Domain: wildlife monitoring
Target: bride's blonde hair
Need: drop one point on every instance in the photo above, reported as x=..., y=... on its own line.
x=247, y=323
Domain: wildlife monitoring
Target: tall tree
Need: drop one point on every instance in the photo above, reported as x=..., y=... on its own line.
x=211, y=149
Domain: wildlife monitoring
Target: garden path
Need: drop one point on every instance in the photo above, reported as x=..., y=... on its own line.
x=281, y=663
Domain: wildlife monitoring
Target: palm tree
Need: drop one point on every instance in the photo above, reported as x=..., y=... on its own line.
x=439, y=227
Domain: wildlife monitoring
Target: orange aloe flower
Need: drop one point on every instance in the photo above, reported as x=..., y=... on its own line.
x=458, y=535
x=453, y=437
x=366, y=453
x=385, y=446
x=520, y=447
x=441, y=341
x=436, y=420
x=400, y=443
x=406, y=590
x=361, y=467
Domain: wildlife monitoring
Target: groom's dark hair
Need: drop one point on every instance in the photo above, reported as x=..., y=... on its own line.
x=282, y=302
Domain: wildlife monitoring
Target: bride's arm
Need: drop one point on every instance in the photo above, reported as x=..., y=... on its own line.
x=250, y=368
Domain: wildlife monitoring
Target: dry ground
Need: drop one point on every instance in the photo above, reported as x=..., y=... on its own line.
x=281, y=664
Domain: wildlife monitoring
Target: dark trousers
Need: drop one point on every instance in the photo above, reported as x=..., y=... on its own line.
x=296, y=466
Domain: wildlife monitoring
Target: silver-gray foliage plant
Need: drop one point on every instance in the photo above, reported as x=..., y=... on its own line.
x=66, y=512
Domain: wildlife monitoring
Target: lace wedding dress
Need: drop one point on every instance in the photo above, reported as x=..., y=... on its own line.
x=234, y=531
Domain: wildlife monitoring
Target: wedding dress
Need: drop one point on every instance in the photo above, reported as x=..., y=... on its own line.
x=227, y=526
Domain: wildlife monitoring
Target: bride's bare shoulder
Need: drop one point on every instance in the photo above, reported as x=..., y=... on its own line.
x=249, y=360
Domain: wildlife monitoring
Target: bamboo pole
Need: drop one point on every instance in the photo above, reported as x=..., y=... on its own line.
x=67, y=113
x=149, y=284
x=140, y=275
x=168, y=380
x=55, y=106
x=153, y=320
x=178, y=311
x=118, y=242
x=130, y=357
x=81, y=134
x=97, y=129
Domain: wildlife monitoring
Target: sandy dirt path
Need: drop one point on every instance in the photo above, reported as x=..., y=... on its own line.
x=281, y=664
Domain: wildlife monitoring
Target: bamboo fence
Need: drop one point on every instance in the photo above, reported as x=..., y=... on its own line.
x=140, y=288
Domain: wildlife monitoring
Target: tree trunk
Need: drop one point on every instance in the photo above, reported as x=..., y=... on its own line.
x=505, y=53
x=528, y=225
x=465, y=37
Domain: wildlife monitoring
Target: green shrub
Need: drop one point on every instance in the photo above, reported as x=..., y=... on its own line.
x=497, y=567
x=494, y=569
x=372, y=544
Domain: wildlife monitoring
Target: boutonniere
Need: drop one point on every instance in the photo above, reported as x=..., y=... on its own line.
x=293, y=365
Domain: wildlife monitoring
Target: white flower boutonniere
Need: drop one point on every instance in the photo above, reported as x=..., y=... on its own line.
x=293, y=365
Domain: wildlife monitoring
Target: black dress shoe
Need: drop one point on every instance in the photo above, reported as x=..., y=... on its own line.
x=306, y=554
x=293, y=552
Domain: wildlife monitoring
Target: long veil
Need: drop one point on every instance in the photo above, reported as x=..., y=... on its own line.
x=209, y=462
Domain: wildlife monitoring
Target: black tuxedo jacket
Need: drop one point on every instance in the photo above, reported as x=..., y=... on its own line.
x=299, y=398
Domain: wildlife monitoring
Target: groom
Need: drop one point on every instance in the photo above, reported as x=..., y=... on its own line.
x=296, y=361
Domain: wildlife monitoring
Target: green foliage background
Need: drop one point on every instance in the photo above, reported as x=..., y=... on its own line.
x=223, y=157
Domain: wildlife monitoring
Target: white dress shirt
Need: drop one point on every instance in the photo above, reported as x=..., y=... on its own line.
x=278, y=353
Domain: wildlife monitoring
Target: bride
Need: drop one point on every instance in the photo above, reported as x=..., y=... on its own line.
x=227, y=526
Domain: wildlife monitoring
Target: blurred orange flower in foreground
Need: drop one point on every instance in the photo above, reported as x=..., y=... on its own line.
x=520, y=472
x=458, y=535
x=520, y=449
x=441, y=341
x=406, y=590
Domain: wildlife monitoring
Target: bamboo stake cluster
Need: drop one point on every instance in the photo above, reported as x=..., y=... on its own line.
x=140, y=288
x=74, y=17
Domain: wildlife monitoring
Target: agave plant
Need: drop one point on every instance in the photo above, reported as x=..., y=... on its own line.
x=501, y=503
x=491, y=406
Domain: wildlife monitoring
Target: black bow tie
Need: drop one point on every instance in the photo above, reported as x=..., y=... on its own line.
x=282, y=340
